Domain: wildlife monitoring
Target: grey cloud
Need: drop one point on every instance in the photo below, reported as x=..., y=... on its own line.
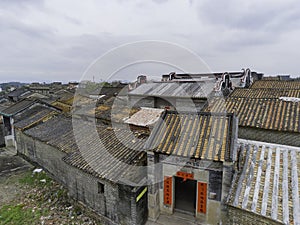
x=244, y=40
x=160, y=1
x=18, y=27
x=227, y=34
x=21, y=4
x=38, y=52
x=235, y=15
x=239, y=27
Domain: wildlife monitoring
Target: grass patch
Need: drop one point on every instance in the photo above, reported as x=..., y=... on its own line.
x=18, y=214
x=42, y=200
x=35, y=179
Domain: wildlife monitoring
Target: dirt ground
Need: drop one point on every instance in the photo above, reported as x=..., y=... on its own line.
x=9, y=189
x=47, y=201
x=12, y=169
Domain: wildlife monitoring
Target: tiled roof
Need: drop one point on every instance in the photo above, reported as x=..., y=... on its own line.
x=175, y=89
x=273, y=114
x=62, y=106
x=271, y=78
x=18, y=107
x=18, y=92
x=268, y=183
x=113, y=159
x=145, y=117
x=265, y=93
x=200, y=136
x=32, y=116
x=65, y=96
x=2, y=108
x=57, y=131
x=39, y=88
x=35, y=95
x=272, y=84
x=110, y=154
x=113, y=109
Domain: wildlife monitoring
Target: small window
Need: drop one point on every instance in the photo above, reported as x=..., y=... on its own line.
x=100, y=188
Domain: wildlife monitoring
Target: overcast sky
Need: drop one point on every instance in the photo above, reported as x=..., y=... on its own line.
x=58, y=39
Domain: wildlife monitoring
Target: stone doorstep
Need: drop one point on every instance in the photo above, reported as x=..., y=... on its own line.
x=177, y=218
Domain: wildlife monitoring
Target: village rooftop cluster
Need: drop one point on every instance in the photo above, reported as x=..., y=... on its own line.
x=215, y=147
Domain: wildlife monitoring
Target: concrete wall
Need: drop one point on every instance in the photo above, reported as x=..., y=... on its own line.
x=45, y=155
x=116, y=205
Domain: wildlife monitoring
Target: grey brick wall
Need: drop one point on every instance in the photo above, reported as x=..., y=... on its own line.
x=278, y=137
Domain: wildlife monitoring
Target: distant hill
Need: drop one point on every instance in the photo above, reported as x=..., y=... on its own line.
x=12, y=84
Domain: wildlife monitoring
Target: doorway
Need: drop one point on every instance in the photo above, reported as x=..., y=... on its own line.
x=185, y=195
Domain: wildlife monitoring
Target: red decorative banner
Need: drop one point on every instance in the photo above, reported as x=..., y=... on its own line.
x=185, y=175
x=202, y=195
x=168, y=191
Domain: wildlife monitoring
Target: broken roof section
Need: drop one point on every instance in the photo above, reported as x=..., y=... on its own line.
x=146, y=117
x=267, y=183
x=175, y=89
x=213, y=136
